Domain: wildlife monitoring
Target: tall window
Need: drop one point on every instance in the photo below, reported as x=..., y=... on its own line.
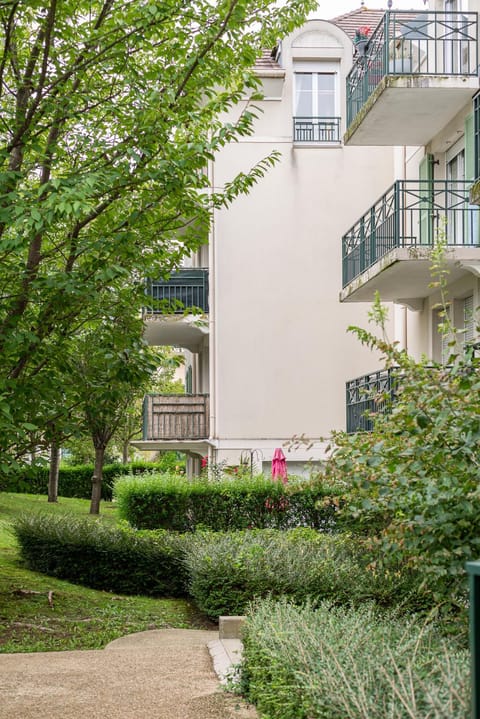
x=316, y=102
x=314, y=94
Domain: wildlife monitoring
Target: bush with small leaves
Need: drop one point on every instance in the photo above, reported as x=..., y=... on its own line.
x=338, y=662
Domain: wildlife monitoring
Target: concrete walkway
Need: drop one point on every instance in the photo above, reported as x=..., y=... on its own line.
x=161, y=674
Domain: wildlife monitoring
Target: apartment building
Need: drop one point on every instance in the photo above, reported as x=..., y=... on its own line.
x=378, y=151
x=416, y=88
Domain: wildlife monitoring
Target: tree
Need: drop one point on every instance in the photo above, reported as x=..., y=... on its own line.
x=110, y=112
x=111, y=368
x=161, y=382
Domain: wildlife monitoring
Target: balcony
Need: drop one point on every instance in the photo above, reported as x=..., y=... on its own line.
x=388, y=250
x=175, y=421
x=367, y=395
x=316, y=130
x=416, y=73
x=177, y=309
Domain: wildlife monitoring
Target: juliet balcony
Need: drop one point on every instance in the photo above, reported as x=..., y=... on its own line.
x=176, y=311
x=175, y=421
x=316, y=130
x=389, y=248
x=414, y=75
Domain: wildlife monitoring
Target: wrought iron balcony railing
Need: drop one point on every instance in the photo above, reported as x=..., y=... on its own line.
x=316, y=129
x=184, y=289
x=427, y=43
x=411, y=213
x=366, y=395
x=175, y=416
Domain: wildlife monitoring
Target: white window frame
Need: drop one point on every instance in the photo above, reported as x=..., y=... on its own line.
x=318, y=68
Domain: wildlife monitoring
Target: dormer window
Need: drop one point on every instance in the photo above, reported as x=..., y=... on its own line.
x=315, y=103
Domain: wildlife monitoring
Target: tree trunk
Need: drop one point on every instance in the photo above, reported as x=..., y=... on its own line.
x=125, y=457
x=97, y=480
x=53, y=472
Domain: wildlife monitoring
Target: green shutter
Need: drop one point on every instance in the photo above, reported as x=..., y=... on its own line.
x=188, y=380
x=472, y=219
x=425, y=226
x=469, y=148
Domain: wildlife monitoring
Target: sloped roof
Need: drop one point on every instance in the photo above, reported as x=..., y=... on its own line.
x=356, y=18
x=267, y=61
x=349, y=22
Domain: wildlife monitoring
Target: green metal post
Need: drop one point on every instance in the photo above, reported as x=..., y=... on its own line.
x=373, y=237
x=145, y=418
x=473, y=569
x=386, y=43
x=362, y=245
x=398, y=215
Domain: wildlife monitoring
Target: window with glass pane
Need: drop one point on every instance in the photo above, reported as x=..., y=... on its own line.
x=314, y=94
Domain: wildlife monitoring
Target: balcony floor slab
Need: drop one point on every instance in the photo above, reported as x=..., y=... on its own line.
x=405, y=272
x=410, y=109
x=188, y=331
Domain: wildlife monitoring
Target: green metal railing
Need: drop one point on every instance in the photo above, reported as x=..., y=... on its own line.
x=187, y=288
x=427, y=43
x=366, y=395
x=316, y=129
x=411, y=213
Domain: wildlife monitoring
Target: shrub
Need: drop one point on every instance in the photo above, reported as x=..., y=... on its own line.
x=335, y=662
x=172, y=502
x=73, y=481
x=227, y=570
x=414, y=478
x=117, y=560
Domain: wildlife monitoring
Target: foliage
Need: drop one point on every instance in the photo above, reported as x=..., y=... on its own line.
x=413, y=480
x=170, y=502
x=89, y=553
x=79, y=618
x=75, y=481
x=305, y=663
x=111, y=112
x=111, y=368
x=226, y=571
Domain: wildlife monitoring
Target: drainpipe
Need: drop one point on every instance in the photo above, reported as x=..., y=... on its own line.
x=212, y=340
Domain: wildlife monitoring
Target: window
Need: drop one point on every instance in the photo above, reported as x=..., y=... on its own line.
x=316, y=102
x=468, y=320
x=314, y=94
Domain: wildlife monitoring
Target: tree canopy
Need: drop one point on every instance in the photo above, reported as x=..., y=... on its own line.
x=110, y=111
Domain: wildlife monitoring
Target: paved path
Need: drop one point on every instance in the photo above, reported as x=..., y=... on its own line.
x=161, y=674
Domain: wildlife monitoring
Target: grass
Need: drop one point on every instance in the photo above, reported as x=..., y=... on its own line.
x=40, y=613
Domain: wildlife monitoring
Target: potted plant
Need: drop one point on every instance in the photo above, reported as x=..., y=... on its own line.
x=361, y=38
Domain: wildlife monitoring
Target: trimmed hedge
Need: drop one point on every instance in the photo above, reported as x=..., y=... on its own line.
x=117, y=560
x=179, y=504
x=306, y=663
x=227, y=571
x=73, y=481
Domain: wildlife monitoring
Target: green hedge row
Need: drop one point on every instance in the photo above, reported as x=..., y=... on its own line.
x=73, y=481
x=305, y=663
x=226, y=571
x=117, y=560
x=222, y=572
x=170, y=502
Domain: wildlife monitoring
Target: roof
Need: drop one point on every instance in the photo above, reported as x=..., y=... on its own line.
x=349, y=23
x=267, y=61
x=357, y=18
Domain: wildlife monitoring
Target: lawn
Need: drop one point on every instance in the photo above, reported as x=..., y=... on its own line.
x=40, y=613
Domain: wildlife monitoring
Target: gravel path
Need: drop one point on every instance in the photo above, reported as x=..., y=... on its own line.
x=162, y=674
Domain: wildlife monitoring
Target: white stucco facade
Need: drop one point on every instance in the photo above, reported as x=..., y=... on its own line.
x=277, y=355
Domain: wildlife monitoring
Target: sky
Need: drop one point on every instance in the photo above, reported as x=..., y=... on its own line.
x=333, y=8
